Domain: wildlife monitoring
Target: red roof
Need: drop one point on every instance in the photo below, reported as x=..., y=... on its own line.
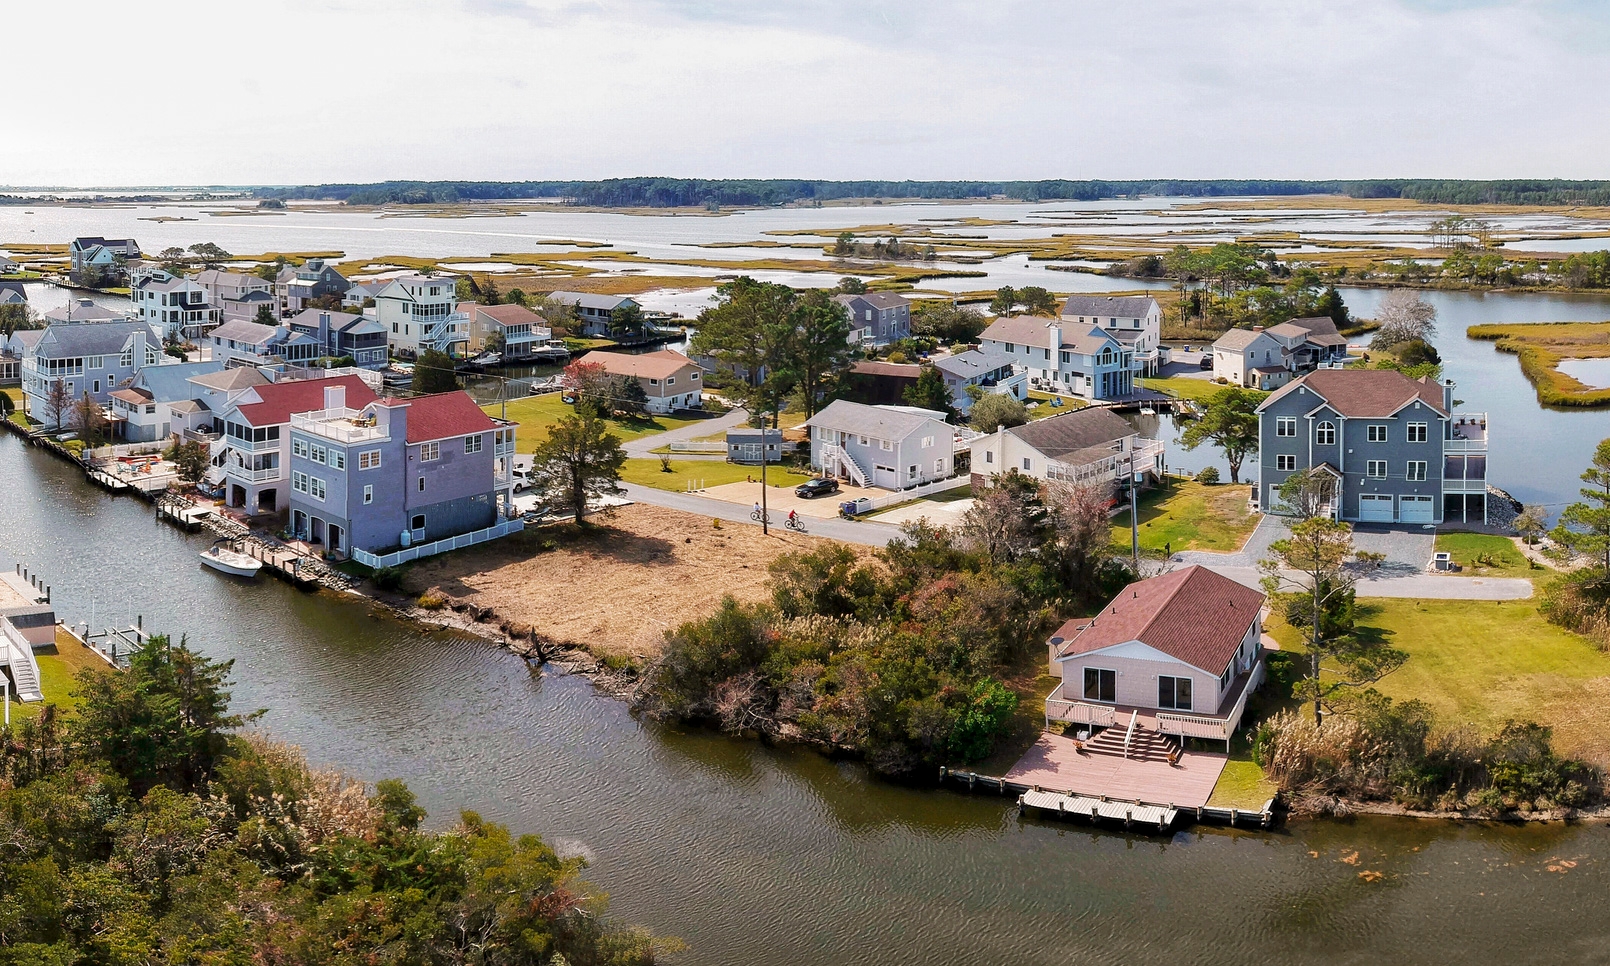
x=1192, y=615
x=281, y=399
x=444, y=415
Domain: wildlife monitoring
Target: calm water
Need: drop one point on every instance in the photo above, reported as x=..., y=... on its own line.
x=759, y=855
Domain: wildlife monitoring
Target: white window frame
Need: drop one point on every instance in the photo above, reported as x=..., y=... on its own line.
x=369, y=459
x=1376, y=433
x=430, y=451
x=338, y=459
x=299, y=482
x=1286, y=426
x=1325, y=434
x=1415, y=471
x=1285, y=463
x=368, y=493
x=1419, y=432
x=1375, y=469
x=472, y=444
x=299, y=447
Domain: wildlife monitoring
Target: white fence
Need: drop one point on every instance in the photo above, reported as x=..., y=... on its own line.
x=711, y=446
x=916, y=492
x=439, y=546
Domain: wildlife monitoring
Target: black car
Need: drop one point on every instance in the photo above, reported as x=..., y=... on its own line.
x=816, y=487
x=1207, y=361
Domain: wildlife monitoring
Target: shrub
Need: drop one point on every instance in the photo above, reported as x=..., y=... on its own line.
x=1209, y=476
x=987, y=714
x=389, y=579
x=431, y=600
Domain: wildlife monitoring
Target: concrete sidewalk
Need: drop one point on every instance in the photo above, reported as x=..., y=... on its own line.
x=864, y=532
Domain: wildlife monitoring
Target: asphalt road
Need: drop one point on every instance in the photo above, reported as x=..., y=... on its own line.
x=866, y=532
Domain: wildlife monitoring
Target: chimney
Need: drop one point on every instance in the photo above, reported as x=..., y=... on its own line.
x=335, y=397
x=1257, y=328
x=1447, y=395
x=1055, y=330
x=138, y=353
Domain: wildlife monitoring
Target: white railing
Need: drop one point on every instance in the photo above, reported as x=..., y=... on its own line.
x=1130, y=734
x=406, y=554
x=835, y=455
x=341, y=425
x=24, y=669
x=1145, y=452
x=1078, y=712
x=699, y=447
x=253, y=446
x=925, y=489
x=253, y=476
x=1203, y=726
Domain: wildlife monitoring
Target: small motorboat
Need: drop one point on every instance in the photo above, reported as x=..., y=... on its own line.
x=233, y=562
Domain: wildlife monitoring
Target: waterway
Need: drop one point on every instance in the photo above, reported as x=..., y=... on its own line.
x=758, y=855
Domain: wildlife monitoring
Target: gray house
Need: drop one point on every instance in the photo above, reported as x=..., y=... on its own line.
x=1398, y=451
x=1069, y=358
x=893, y=447
x=988, y=369
x=593, y=312
x=877, y=318
x=92, y=359
x=342, y=334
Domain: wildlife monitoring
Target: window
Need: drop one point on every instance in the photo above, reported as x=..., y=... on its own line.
x=989, y=456
x=1417, y=471
x=299, y=482
x=1224, y=679
x=1026, y=464
x=911, y=472
x=418, y=522
x=1101, y=684
x=1173, y=692
x=472, y=444
x=315, y=453
x=927, y=441
x=1325, y=434
x=421, y=484
x=315, y=488
x=693, y=377
x=670, y=380
x=654, y=382
x=939, y=465
x=1286, y=426
x=299, y=447
x=368, y=493
x=430, y=451
x=1285, y=462
x=1376, y=470
x=1376, y=433
x=885, y=445
x=338, y=459
x=1417, y=432
x=369, y=459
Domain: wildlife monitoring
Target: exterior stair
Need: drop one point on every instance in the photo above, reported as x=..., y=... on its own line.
x=24, y=670
x=835, y=456
x=1145, y=745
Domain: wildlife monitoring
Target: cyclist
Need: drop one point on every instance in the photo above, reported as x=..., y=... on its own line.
x=793, y=518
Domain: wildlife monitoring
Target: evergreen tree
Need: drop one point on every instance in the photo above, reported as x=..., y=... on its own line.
x=1584, y=527
x=579, y=460
x=433, y=373
x=930, y=392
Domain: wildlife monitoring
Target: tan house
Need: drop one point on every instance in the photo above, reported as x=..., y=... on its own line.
x=523, y=330
x=671, y=379
x=1176, y=654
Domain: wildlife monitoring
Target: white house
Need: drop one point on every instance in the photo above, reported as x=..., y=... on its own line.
x=178, y=307
x=1177, y=654
x=1260, y=358
x=1134, y=320
x=1085, y=446
x=420, y=312
x=1070, y=358
x=144, y=411
x=893, y=447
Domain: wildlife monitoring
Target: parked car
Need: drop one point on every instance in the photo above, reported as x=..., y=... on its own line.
x=521, y=480
x=1207, y=361
x=818, y=487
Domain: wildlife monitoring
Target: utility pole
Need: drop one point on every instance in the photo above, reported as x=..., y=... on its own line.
x=1134, y=519
x=765, y=523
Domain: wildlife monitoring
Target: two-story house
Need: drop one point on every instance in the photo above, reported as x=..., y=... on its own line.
x=1395, y=447
x=1135, y=321
x=253, y=343
x=877, y=318
x=341, y=334
x=593, y=312
x=237, y=295
x=987, y=370
x=391, y=473
x=86, y=359
x=420, y=312
x=178, y=307
x=893, y=447
x=671, y=380
x=296, y=285
x=1074, y=359
x=257, y=437
x=516, y=329
x=1094, y=447
x=159, y=402
x=1260, y=358
x=94, y=260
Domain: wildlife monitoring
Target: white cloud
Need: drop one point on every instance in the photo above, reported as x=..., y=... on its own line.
x=192, y=92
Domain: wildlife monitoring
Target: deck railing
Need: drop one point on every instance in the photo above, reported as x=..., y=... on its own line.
x=406, y=554
x=1078, y=712
x=1212, y=727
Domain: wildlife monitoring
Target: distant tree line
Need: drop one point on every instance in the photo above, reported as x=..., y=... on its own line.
x=702, y=192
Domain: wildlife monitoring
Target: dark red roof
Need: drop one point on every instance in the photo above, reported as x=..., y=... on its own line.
x=445, y=415
x=1192, y=615
x=281, y=399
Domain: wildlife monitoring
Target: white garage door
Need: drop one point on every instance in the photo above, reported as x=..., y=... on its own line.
x=1418, y=509
x=1374, y=508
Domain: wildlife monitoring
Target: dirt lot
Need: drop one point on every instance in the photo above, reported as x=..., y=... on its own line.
x=617, y=587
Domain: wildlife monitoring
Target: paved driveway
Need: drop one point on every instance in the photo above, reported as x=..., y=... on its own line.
x=1407, y=551
x=645, y=445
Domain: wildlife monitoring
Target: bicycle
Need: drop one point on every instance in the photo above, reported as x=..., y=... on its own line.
x=797, y=525
x=755, y=516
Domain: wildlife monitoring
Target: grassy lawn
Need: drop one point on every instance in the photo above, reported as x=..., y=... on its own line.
x=1241, y=784
x=15, y=392
x=1483, y=662
x=1190, y=516
x=712, y=472
x=1185, y=387
x=58, y=674
x=1069, y=404
x=1487, y=555
x=536, y=414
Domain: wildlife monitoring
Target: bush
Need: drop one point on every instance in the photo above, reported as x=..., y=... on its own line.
x=1209, y=476
x=389, y=579
x=431, y=600
x=986, y=716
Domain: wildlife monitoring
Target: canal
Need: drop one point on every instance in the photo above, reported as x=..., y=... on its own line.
x=758, y=855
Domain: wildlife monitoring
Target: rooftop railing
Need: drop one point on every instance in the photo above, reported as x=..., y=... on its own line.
x=342, y=425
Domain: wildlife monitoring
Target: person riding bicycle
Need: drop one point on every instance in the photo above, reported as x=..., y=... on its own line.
x=793, y=516
x=757, y=509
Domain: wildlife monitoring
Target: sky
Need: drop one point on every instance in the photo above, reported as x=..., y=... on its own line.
x=169, y=92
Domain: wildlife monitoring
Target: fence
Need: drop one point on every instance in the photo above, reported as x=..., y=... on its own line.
x=916, y=492
x=697, y=447
x=439, y=546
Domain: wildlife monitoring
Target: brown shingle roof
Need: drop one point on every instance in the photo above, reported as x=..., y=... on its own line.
x=647, y=365
x=1065, y=433
x=1363, y=393
x=1192, y=615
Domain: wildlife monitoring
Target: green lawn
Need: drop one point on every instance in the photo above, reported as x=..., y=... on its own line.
x=1190, y=516
x=536, y=413
x=1242, y=784
x=1487, y=555
x=1484, y=662
x=58, y=674
x=711, y=472
x=1069, y=404
x=1184, y=387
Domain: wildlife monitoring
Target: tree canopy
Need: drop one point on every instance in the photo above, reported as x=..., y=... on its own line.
x=1229, y=422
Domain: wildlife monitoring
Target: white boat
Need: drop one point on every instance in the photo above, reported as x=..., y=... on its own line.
x=227, y=561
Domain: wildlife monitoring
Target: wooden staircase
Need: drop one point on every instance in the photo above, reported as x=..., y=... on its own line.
x=1144, y=745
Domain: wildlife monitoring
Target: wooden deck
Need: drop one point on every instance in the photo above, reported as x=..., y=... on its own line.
x=1053, y=764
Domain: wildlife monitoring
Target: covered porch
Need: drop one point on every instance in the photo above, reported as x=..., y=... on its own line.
x=1219, y=725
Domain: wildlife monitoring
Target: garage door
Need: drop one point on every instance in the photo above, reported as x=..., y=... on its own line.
x=1374, y=508
x=1418, y=509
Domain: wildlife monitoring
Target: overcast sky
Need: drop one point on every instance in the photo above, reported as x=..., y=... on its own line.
x=151, y=93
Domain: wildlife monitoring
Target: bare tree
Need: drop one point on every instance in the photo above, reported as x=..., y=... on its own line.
x=58, y=402
x=1404, y=315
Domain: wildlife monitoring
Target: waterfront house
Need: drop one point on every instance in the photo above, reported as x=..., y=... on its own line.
x=87, y=359
x=744, y=445
x=990, y=370
x=12, y=351
x=382, y=474
x=1394, y=445
x=518, y=329
x=80, y=310
x=1064, y=356
x=1086, y=446
x=99, y=261
x=420, y=312
x=177, y=307
x=671, y=380
x=877, y=318
x=12, y=293
x=1267, y=359
x=296, y=285
x=362, y=292
x=159, y=402
x=237, y=295
x=253, y=343
x=1135, y=321
x=257, y=437
x=593, y=312
x=893, y=447
x=1178, y=654
x=9, y=267
x=340, y=334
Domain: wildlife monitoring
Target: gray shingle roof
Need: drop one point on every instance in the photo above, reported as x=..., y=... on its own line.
x=170, y=383
x=84, y=313
x=878, y=422
x=587, y=300
x=973, y=362
x=1236, y=339
x=62, y=340
x=241, y=330
x=12, y=293
x=1109, y=306
x=1058, y=436
x=878, y=300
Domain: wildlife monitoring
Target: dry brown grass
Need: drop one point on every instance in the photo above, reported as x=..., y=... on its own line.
x=615, y=588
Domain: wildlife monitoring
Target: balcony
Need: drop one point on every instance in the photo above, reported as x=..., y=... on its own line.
x=1218, y=725
x=243, y=474
x=1467, y=433
x=253, y=446
x=339, y=425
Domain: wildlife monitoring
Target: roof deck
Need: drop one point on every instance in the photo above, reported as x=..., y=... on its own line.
x=340, y=425
x=1467, y=431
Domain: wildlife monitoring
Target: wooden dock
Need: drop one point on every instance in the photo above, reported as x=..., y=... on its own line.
x=1142, y=815
x=181, y=512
